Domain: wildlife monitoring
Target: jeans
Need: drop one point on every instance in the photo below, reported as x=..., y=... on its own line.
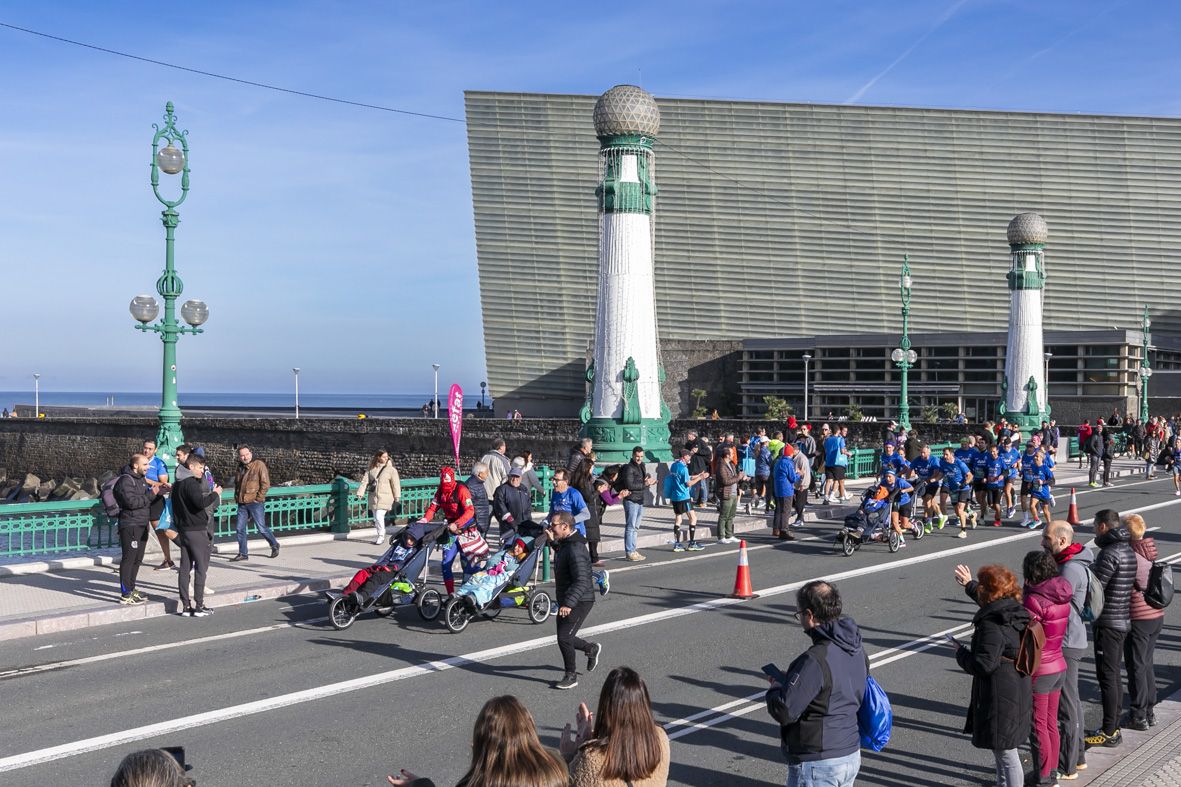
x=837, y=772
x=255, y=512
x=1139, y=648
x=1070, y=714
x=699, y=492
x=1092, y=468
x=632, y=513
x=1109, y=648
x=1009, y=772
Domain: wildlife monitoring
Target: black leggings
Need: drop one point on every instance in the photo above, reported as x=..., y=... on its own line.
x=593, y=546
x=568, y=640
x=133, y=541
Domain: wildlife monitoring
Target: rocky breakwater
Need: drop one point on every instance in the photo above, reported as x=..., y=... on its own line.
x=28, y=488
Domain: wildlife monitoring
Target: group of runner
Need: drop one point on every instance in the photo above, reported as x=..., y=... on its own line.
x=991, y=476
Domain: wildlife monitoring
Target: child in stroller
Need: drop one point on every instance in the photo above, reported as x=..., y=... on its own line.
x=508, y=579
x=495, y=574
x=870, y=522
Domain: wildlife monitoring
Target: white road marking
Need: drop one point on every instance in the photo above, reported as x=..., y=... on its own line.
x=49, y=754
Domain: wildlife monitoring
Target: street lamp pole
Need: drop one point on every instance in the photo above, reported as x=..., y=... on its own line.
x=1046, y=392
x=904, y=357
x=1145, y=370
x=296, y=370
x=806, y=359
x=435, y=403
x=483, y=385
x=36, y=396
x=144, y=308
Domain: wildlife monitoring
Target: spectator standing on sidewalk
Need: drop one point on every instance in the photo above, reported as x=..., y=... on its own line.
x=729, y=477
x=760, y=488
x=579, y=454
x=807, y=447
x=630, y=484
x=1073, y=562
x=803, y=470
x=575, y=593
x=157, y=474
x=699, y=465
x=1001, y=708
x=1115, y=568
x=1047, y=596
x=193, y=504
x=498, y=466
x=135, y=498
x=817, y=707
x=1108, y=455
x=250, y=493
x=529, y=479
x=583, y=479
x=1093, y=448
x=513, y=506
x=384, y=488
x=1140, y=646
x=783, y=482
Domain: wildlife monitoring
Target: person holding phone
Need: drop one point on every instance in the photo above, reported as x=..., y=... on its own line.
x=816, y=700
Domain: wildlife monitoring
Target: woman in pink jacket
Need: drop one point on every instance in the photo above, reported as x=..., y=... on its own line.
x=1140, y=644
x=1047, y=597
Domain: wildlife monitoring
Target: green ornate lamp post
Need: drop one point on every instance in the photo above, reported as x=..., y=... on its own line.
x=144, y=308
x=904, y=357
x=1145, y=370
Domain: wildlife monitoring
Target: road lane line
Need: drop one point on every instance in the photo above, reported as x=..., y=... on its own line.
x=49, y=754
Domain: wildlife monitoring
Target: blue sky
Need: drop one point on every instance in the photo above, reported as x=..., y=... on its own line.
x=340, y=239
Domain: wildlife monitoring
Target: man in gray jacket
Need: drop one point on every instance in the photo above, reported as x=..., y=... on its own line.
x=1073, y=560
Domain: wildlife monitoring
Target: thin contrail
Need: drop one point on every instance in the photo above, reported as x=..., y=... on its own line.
x=939, y=23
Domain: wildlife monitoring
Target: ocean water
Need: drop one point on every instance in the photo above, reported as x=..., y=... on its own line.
x=244, y=400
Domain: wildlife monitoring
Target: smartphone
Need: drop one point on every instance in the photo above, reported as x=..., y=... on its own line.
x=953, y=640
x=771, y=671
x=178, y=754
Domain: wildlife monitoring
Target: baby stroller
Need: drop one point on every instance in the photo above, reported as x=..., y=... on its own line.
x=871, y=522
x=462, y=608
x=394, y=580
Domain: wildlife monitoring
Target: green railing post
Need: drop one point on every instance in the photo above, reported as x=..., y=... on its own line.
x=545, y=564
x=546, y=475
x=340, y=495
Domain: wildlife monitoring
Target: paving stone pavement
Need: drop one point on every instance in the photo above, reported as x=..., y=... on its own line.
x=1147, y=759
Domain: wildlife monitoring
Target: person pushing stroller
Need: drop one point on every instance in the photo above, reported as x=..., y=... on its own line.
x=455, y=501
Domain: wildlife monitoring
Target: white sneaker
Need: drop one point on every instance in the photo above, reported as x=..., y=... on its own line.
x=379, y=540
x=1053, y=502
x=963, y=534
x=848, y=496
x=1178, y=492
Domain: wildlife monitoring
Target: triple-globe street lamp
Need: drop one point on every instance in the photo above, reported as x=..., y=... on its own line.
x=1145, y=370
x=904, y=357
x=144, y=308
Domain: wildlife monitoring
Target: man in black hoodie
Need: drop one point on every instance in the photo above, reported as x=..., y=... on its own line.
x=1115, y=568
x=135, y=499
x=193, y=504
x=575, y=594
x=817, y=707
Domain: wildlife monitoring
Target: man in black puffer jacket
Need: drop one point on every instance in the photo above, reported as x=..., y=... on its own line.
x=135, y=499
x=575, y=595
x=1115, y=568
x=514, y=508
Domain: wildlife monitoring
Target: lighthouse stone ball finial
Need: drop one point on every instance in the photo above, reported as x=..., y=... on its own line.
x=626, y=109
x=1027, y=229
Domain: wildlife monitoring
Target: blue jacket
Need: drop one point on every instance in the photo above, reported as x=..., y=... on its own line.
x=784, y=477
x=763, y=462
x=818, y=716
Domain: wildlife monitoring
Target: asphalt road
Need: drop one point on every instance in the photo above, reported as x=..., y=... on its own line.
x=268, y=693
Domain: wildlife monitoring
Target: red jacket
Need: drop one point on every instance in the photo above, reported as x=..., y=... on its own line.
x=1084, y=432
x=457, y=507
x=1049, y=604
x=1145, y=550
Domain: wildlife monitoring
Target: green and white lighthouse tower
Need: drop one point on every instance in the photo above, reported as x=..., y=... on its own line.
x=1024, y=400
x=625, y=407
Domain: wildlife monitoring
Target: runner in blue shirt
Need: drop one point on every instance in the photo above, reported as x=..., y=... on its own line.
x=980, y=478
x=995, y=481
x=1012, y=459
x=966, y=453
x=1038, y=491
x=677, y=491
x=1027, y=473
x=157, y=474
x=923, y=467
x=900, y=510
x=836, y=459
x=891, y=458
x=956, y=478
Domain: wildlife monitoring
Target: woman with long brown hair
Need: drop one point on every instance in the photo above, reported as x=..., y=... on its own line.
x=1001, y=710
x=385, y=490
x=505, y=752
x=624, y=746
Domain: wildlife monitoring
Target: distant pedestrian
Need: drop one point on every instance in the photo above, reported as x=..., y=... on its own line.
x=817, y=705
x=5, y=414
x=193, y=504
x=575, y=591
x=135, y=498
x=1147, y=621
x=1094, y=451
x=498, y=466
x=513, y=507
x=1001, y=708
x=631, y=484
x=783, y=484
x=529, y=479
x=156, y=475
x=579, y=454
x=252, y=483
x=1073, y=562
x=1115, y=568
x=760, y=488
x=384, y=488
x=426, y=410
x=678, y=484
x=836, y=460
x=729, y=477
x=1047, y=597
x=583, y=480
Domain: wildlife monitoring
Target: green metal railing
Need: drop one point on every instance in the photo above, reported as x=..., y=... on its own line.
x=33, y=529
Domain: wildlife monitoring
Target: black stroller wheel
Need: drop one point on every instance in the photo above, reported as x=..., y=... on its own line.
x=341, y=613
x=892, y=540
x=493, y=611
x=430, y=604
x=539, y=607
x=847, y=545
x=384, y=606
x=455, y=615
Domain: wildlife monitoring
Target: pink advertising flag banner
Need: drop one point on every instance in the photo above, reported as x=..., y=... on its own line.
x=455, y=416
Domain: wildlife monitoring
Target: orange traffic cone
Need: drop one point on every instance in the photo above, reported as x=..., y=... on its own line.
x=1072, y=515
x=742, y=588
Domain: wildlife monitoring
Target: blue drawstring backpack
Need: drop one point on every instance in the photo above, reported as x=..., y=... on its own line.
x=874, y=717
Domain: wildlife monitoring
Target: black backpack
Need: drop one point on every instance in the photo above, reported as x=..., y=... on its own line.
x=1159, y=593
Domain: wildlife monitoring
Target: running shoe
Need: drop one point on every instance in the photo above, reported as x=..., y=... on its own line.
x=748, y=509
x=202, y=612
x=963, y=533
x=635, y=557
x=604, y=583
x=678, y=547
x=942, y=520
x=139, y=596
x=996, y=523
x=164, y=565
x=567, y=682
x=1178, y=492
x=1053, y=501
x=694, y=546
x=928, y=526
x=1108, y=483
x=1011, y=512
x=1093, y=484
x=1101, y=738
x=592, y=656
x=972, y=519
x=129, y=599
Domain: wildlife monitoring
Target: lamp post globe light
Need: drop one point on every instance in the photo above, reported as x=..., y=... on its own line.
x=144, y=308
x=1145, y=370
x=806, y=358
x=904, y=357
